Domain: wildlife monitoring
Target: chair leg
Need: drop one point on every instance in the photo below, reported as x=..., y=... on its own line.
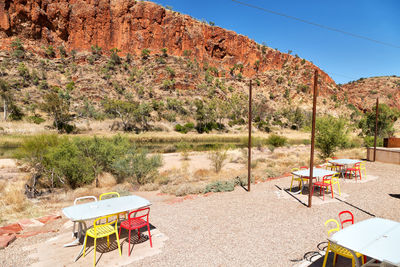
x=108, y=241
x=94, y=254
x=119, y=246
x=84, y=246
x=332, y=190
x=148, y=229
x=334, y=259
x=338, y=185
x=353, y=262
x=129, y=243
x=120, y=228
x=291, y=184
x=138, y=233
x=326, y=255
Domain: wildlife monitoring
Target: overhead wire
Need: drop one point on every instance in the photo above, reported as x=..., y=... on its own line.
x=315, y=24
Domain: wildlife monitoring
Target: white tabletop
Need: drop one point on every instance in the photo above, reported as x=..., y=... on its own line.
x=376, y=237
x=93, y=210
x=345, y=161
x=317, y=172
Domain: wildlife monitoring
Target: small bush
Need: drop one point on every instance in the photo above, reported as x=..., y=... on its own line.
x=276, y=140
x=220, y=186
x=369, y=141
x=217, y=159
x=138, y=165
x=184, y=128
x=35, y=119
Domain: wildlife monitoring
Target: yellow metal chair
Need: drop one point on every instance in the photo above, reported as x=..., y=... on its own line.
x=363, y=169
x=112, y=195
x=109, y=195
x=338, y=250
x=335, y=180
x=329, y=165
x=295, y=178
x=102, y=230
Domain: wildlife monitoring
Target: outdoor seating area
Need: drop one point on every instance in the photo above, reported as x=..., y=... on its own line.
x=111, y=214
x=212, y=228
x=326, y=176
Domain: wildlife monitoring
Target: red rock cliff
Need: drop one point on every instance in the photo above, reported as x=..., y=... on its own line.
x=132, y=26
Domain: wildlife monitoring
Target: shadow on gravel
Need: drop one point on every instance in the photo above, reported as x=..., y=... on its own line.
x=287, y=191
x=360, y=209
x=395, y=195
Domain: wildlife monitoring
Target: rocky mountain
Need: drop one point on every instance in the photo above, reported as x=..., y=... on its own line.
x=363, y=92
x=132, y=26
x=91, y=51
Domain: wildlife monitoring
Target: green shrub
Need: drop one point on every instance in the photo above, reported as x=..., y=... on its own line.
x=184, y=128
x=18, y=49
x=220, y=186
x=74, y=162
x=276, y=140
x=145, y=53
x=137, y=165
x=331, y=133
x=217, y=158
x=35, y=119
x=369, y=141
x=386, y=119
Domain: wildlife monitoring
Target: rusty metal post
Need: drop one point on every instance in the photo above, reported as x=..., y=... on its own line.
x=376, y=125
x=249, y=143
x=315, y=94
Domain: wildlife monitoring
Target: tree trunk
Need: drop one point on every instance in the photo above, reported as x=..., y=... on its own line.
x=5, y=109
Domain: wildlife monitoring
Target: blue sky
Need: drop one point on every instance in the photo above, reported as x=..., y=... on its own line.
x=343, y=57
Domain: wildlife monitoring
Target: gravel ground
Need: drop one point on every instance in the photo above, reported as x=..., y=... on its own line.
x=265, y=227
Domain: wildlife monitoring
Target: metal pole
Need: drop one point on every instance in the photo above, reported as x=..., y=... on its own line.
x=310, y=179
x=376, y=125
x=249, y=143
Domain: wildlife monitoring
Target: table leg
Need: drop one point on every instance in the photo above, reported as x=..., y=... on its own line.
x=81, y=232
x=76, y=242
x=355, y=258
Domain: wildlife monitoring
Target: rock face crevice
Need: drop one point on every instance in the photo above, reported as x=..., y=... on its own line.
x=133, y=26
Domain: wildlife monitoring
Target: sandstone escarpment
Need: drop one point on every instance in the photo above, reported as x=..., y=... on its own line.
x=132, y=26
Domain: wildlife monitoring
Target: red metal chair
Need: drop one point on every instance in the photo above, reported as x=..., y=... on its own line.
x=356, y=170
x=343, y=219
x=326, y=182
x=303, y=168
x=140, y=219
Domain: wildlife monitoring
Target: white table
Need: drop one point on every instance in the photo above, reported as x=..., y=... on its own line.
x=92, y=210
x=376, y=238
x=305, y=174
x=344, y=162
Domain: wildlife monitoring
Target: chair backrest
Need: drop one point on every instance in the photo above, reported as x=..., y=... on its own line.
x=327, y=178
x=328, y=226
x=109, y=195
x=92, y=198
x=327, y=160
x=140, y=214
x=342, y=218
x=336, y=176
x=334, y=157
x=357, y=165
x=303, y=167
x=97, y=223
x=362, y=165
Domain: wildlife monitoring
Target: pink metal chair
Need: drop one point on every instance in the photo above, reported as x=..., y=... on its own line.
x=326, y=182
x=343, y=219
x=136, y=220
x=356, y=170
